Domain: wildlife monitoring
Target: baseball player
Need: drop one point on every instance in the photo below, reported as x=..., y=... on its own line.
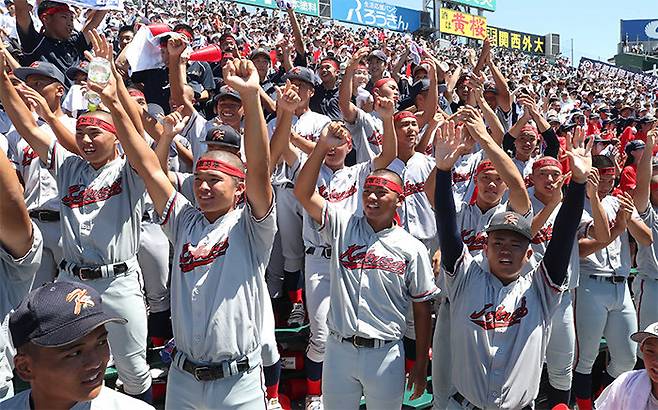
x=377, y=268
x=59, y=331
x=366, y=128
x=97, y=191
x=546, y=198
x=500, y=318
x=220, y=253
x=44, y=86
x=20, y=254
x=602, y=301
x=645, y=198
x=332, y=174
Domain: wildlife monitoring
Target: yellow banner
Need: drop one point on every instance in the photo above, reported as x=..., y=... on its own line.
x=516, y=40
x=462, y=24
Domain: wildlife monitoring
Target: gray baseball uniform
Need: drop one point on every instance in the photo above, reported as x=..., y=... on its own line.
x=645, y=285
x=16, y=276
x=374, y=277
x=367, y=135
x=101, y=214
x=604, y=308
x=217, y=303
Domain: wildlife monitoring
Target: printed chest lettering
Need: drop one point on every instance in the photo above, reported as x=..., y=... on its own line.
x=187, y=262
x=355, y=258
x=80, y=195
x=474, y=241
x=488, y=318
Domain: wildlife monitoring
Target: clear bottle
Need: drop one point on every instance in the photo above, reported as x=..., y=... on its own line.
x=99, y=72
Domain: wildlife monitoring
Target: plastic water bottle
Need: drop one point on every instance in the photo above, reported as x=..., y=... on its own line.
x=99, y=72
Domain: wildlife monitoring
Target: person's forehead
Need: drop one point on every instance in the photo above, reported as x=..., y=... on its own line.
x=548, y=170
x=490, y=173
x=407, y=121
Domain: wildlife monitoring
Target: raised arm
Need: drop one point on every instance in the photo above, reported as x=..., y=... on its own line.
x=94, y=18
x=477, y=91
x=518, y=194
x=348, y=109
x=177, y=74
x=241, y=75
x=642, y=192
x=296, y=33
x=447, y=150
x=540, y=218
x=15, y=224
x=432, y=95
x=287, y=102
x=503, y=97
x=385, y=108
x=139, y=154
x=23, y=17
x=395, y=71
x=333, y=135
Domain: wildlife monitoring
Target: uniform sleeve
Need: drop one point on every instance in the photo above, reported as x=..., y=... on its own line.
x=185, y=185
x=262, y=231
x=194, y=133
x=550, y=293
x=177, y=216
x=363, y=127
x=22, y=269
x=29, y=40
x=455, y=281
x=420, y=277
x=649, y=216
x=332, y=223
x=56, y=157
x=81, y=43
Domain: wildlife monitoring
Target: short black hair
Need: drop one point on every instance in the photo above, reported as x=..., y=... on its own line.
x=185, y=27
x=125, y=28
x=602, y=161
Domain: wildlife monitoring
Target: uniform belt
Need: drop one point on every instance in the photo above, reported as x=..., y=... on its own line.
x=94, y=272
x=465, y=403
x=611, y=279
x=358, y=341
x=289, y=185
x=210, y=372
x=319, y=251
x=45, y=216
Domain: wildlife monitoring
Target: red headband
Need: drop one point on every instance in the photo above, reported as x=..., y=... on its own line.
x=54, y=10
x=654, y=186
x=484, y=166
x=135, y=93
x=95, y=122
x=217, y=165
x=404, y=114
x=381, y=82
x=185, y=33
x=607, y=171
x=332, y=62
x=546, y=162
x=384, y=183
x=529, y=129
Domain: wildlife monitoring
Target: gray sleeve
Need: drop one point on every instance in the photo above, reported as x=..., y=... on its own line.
x=420, y=277
x=18, y=273
x=261, y=231
x=178, y=215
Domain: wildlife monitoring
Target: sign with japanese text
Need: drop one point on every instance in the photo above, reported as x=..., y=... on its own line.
x=309, y=7
x=480, y=4
x=462, y=24
x=515, y=40
x=376, y=14
x=603, y=69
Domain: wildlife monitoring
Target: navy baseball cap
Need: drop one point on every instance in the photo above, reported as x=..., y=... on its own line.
x=81, y=67
x=259, y=52
x=302, y=73
x=226, y=91
x=378, y=54
x=510, y=221
x=223, y=135
x=57, y=314
x=634, y=145
x=40, y=68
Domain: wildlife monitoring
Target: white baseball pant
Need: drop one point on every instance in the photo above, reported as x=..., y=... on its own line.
x=52, y=252
x=561, y=345
x=122, y=296
x=243, y=391
x=269, y=350
x=604, y=309
x=153, y=257
x=317, y=302
x=646, y=302
x=442, y=387
x=350, y=372
x=289, y=221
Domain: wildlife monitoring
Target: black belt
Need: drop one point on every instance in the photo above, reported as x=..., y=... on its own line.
x=45, y=216
x=611, y=279
x=206, y=373
x=324, y=252
x=358, y=341
x=91, y=273
x=462, y=401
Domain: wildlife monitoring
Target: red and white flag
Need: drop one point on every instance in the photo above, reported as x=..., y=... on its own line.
x=143, y=53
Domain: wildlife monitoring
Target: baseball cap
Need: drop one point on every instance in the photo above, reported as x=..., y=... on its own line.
x=553, y=118
x=302, y=73
x=156, y=111
x=646, y=119
x=649, y=332
x=81, y=67
x=423, y=65
x=40, y=68
x=510, y=221
x=227, y=36
x=226, y=91
x=223, y=135
x=57, y=314
x=259, y=52
x=634, y=145
x=378, y=54
x=490, y=88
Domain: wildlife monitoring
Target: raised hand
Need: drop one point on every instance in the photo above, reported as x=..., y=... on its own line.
x=448, y=145
x=580, y=155
x=241, y=75
x=358, y=56
x=626, y=207
x=174, y=123
x=176, y=45
x=100, y=46
x=35, y=100
x=593, y=181
x=385, y=107
x=473, y=121
x=334, y=135
x=288, y=97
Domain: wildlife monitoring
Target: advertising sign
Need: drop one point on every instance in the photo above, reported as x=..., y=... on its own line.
x=462, y=24
x=639, y=30
x=376, y=14
x=515, y=40
x=309, y=7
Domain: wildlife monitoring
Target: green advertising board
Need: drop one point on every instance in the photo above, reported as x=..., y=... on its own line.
x=309, y=7
x=481, y=4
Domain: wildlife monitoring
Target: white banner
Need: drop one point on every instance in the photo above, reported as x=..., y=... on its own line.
x=96, y=4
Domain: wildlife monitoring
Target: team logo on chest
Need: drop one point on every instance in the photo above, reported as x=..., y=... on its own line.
x=335, y=196
x=187, y=262
x=411, y=188
x=376, y=138
x=28, y=156
x=457, y=177
x=489, y=319
x=544, y=235
x=353, y=259
x=81, y=195
x=474, y=241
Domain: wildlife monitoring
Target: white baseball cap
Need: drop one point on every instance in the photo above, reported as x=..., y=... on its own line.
x=650, y=331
